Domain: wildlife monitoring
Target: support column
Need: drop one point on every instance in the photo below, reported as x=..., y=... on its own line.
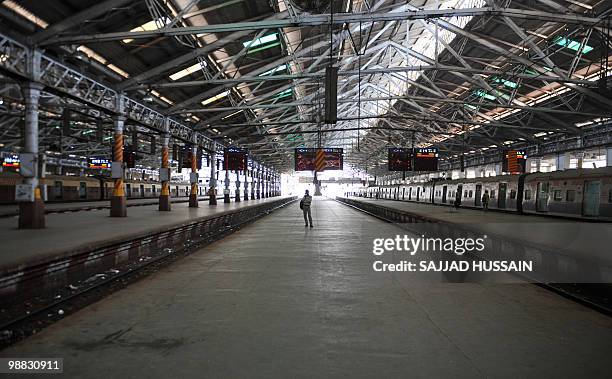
x=226, y=190
x=265, y=194
x=258, y=176
x=317, y=185
x=193, y=178
x=246, y=181
x=212, y=192
x=32, y=211
x=237, y=198
x=118, y=201
x=253, y=181
x=164, y=175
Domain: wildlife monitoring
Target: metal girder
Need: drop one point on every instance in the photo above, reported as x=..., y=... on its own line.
x=324, y=19
x=77, y=19
x=64, y=80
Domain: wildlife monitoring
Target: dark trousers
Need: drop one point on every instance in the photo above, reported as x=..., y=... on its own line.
x=307, y=215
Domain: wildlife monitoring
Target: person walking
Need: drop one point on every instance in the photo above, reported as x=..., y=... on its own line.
x=305, y=207
x=485, y=200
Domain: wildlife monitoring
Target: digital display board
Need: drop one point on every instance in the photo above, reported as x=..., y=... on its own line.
x=234, y=159
x=184, y=157
x=11, y=161
x=514, y=162
x=99, y=163
x=425, y=159
x=331, y=159
x=400, y=159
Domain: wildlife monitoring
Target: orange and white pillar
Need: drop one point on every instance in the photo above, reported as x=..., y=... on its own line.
x=193, y=195
x=164, y=175
x=118, y=201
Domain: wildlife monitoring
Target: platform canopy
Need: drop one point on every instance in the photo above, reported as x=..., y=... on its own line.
x=465, y=76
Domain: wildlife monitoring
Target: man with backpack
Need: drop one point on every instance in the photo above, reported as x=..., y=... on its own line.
x=485, y=200
x=305, y=207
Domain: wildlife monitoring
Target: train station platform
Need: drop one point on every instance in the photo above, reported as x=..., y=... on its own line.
x=564, y=243
x=312, y=306
x=70, y=233
x=12, y=210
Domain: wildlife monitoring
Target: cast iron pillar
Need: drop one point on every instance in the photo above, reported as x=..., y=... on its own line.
x=212, y=192
x=118, y=201
x=193, y=178
x=32, y=211
x=226, y=190
x=164, y=174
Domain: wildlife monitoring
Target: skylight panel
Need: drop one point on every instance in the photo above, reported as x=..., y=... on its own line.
x=573, y=45
x=261, y=41
x=215, y=98
x=188, y=71
x=148, y=26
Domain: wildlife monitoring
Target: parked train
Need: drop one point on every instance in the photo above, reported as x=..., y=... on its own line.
x=78, y=188
x=578, y=193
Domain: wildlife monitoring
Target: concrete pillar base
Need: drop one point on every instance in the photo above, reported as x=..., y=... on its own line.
x=164, y=203
x=118, y=206
x=32, y=215
x=237, y=197
x=212, y=199
x=226, y=198
x=253, y=195
x=193, y=201
x=246, y=195
x=258, y=195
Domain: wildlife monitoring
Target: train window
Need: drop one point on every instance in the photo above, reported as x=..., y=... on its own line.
x=465, y=194
x=492, y=194
x=557, y=195
x=570, y=195
x=527, y=195
x=82, y=190
x=512, y=194
x=470, y=193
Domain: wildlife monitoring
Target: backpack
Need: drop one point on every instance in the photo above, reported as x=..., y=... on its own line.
x=302, y=204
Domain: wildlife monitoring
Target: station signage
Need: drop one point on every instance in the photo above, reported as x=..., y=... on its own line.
x=418, y=159
x=11, y=161
x=315, y=159
x=99, y=163
x=400, y=159
x=235, y=159
x=514, y=162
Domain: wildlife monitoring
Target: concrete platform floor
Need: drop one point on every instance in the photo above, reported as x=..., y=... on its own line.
x=277, y=300
x=66, y=232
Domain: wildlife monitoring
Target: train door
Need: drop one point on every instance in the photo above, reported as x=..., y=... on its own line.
x=410, y=193
x=592, y=193
x=478, y=195
x=418, y=193
x=82, y=190
x=142, y=194
x=404, y=193
x=58, y=190
x=128, y=190
x=459, y=193
x=501, y=200
x=444, y=189
x=542, y=197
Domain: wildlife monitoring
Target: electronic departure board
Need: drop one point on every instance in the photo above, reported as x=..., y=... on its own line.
x=400, y=159
x=11, y=161
x=425, y=159
x=514, y=162
x=235, y=159
x=306, y=159
x=99, y=163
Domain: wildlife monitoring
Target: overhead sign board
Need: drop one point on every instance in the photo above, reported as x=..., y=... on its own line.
x=400, y=159
x=235, y=159
x=311, y=159
x=99, y=163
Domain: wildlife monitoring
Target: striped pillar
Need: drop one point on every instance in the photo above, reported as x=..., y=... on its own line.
x=164, y=197
x=118, y=201
x=193, y=195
